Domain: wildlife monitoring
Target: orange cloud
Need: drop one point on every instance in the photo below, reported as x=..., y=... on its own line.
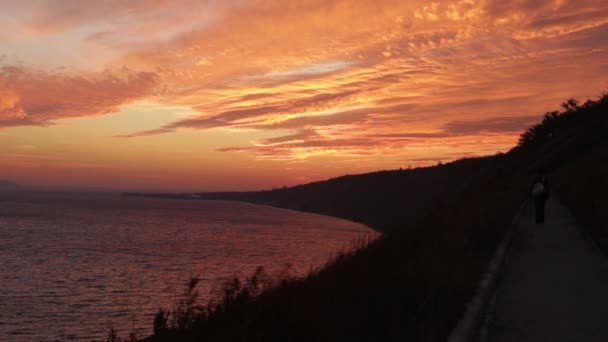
x=38, y=98
x=365, y=141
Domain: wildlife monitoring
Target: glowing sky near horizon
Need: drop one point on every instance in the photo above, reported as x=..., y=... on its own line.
x=235, y=94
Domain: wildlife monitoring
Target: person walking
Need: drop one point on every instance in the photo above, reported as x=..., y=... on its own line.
x=540, y=193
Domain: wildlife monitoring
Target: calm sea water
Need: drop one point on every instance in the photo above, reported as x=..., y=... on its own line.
x=72, y=265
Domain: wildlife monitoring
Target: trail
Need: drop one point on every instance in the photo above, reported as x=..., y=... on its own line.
x=554, y=286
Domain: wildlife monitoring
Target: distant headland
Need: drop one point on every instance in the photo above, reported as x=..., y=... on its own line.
x=7, y=184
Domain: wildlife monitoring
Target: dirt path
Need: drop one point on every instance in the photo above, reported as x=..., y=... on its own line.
x=554, y=286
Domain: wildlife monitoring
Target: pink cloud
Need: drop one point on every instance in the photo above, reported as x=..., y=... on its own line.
x=366, y=141
x=39, y=98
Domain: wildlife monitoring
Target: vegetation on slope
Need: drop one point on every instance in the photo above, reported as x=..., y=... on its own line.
x=413, y=283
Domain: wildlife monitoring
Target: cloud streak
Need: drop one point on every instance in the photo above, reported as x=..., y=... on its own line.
x=38, y=98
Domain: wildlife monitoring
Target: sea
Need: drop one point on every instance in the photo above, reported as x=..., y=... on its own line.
x=75, y=265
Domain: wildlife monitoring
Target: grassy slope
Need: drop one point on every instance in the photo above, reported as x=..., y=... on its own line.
x=583, y=186
x=414, y=283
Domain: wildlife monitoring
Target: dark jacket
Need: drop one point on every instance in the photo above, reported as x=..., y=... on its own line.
x=546, y=189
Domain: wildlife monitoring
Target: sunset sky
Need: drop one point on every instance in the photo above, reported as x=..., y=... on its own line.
x=236, y=94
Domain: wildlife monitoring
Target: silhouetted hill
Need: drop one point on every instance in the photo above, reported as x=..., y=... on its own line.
x=7, y=185
x=443, y=225
x=384, y=200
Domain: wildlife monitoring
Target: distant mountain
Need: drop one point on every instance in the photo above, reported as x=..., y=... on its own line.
x=6, y=184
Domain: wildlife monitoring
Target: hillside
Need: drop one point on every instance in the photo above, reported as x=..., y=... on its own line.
x=443, y=225
x=386, y=200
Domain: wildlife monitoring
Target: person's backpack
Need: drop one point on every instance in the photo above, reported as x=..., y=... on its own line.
x=538, y=189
